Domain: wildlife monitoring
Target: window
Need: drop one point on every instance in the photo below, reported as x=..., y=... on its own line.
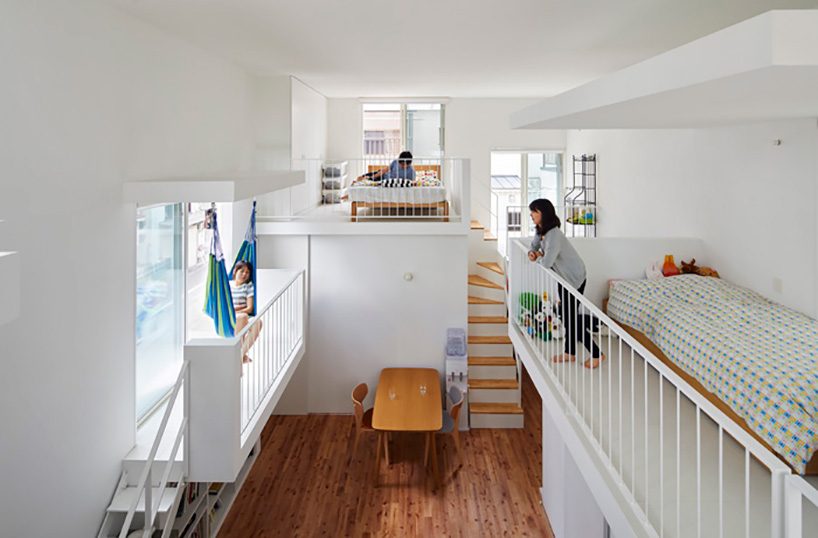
x=159, y=303
x=389, y=128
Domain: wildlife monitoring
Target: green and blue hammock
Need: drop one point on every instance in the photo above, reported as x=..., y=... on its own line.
x=219, y=300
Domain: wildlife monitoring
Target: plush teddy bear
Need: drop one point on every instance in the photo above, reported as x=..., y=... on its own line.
x=691, y=268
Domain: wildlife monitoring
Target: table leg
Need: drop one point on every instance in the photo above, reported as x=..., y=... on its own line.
x=433, y=449
x=378, y=457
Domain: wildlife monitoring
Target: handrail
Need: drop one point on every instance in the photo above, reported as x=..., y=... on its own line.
x=144, y=485
x=570, y=384
x=760, y=451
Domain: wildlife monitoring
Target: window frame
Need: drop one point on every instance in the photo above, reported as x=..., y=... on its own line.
x=404, y=127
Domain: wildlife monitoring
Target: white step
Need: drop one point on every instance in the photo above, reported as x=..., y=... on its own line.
x=494, y=395
x=490, y=275
x=495, y=420
x=490, y=350
x=488, y=293
x=487, y=309
x=488, y=329
x=492, y=372
x=124, y=497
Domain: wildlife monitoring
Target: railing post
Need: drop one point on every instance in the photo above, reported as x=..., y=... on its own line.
x=792, y=508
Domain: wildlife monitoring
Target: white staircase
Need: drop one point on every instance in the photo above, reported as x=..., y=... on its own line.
x=494, y=375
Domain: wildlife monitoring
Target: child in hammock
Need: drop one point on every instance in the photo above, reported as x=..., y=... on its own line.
x=243, y=292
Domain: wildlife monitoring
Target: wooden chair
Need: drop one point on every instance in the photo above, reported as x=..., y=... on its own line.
x=363, y=419
x=450, y=421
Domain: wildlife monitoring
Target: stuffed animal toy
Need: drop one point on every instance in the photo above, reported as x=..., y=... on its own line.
x=691, y=268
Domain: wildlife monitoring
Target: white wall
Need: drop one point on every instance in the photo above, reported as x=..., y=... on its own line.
x=91, y=97
x=272, y=129
x=364, y=316
x=308, y=140
x=474, y=127
x=753, y=203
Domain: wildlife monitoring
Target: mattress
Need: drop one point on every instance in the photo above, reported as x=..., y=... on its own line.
x=756, y=356
x=397, y=195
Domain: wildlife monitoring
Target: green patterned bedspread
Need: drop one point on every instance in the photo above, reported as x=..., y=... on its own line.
x=757, y=356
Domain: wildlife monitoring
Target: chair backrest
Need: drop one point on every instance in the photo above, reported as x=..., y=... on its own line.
x=456, y=396
x=358, y=395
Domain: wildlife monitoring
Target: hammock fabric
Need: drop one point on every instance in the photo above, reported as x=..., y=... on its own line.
x=247, y=253
x=219, y=300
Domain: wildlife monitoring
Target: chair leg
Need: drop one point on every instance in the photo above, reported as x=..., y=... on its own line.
x=456, y=436
x=386, y=447
x=355, y=446
x=426, y=451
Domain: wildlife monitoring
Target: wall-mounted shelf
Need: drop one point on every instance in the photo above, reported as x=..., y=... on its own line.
x=220, y=188
x=764, y=68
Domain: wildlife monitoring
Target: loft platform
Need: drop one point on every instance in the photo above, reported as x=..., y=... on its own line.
x=761, y=69
x=220, y=188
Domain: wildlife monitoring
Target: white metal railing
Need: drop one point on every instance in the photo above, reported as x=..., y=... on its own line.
x=144, y=486
x=797, y=491
x=354, y=190
x=236, y=382
x=268, y=342
x=685, y=468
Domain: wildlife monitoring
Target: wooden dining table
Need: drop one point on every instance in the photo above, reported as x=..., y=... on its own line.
x=402, y=406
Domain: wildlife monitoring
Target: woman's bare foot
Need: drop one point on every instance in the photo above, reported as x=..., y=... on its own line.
x=565, y=357
x=246, y=359
x=594, y=363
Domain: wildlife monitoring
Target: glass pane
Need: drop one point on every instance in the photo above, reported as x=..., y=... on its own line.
x=423, y=129
x=159, y=303
x=544, y=177
x=381, y=126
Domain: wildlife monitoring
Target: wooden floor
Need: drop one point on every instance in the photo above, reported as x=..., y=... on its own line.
x=306, y=484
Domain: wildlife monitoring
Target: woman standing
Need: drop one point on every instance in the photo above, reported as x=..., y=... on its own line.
x=551, y=248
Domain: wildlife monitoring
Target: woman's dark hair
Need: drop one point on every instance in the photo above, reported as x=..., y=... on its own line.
x=246, y=265
x=549, y=218
x=405, y=157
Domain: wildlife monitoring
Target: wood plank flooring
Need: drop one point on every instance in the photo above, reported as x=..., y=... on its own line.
x=306, y=484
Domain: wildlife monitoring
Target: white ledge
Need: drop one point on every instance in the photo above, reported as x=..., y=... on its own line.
x=764, y=68
x=223, y=188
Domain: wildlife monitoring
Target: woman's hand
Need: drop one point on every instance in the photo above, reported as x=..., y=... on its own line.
x=532, y=256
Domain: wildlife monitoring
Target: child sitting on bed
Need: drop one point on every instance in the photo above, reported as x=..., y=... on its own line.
x=551, y=248
x=401, y=168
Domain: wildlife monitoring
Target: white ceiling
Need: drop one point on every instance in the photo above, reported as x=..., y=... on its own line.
x=455, y=48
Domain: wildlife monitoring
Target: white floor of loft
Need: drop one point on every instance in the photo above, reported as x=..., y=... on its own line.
x=598, y=394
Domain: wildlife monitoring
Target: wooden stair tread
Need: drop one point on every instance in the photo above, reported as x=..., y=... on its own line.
x=492, y=266
x=477, y=280
x=493, y=384
x=488, y=237
x=489, y=339
x=488, y=319
x=475, y=225
x=492, y=361
x=495, y=409
x=483, y=300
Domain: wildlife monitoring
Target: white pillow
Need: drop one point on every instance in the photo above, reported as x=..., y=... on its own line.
x=654, y=271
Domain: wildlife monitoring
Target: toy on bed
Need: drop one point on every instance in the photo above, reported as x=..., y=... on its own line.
x=538, y=316
x=691, y=268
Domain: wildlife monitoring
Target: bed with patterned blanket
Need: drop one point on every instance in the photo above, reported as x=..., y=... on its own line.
x=755, y=356
x=402, y=197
